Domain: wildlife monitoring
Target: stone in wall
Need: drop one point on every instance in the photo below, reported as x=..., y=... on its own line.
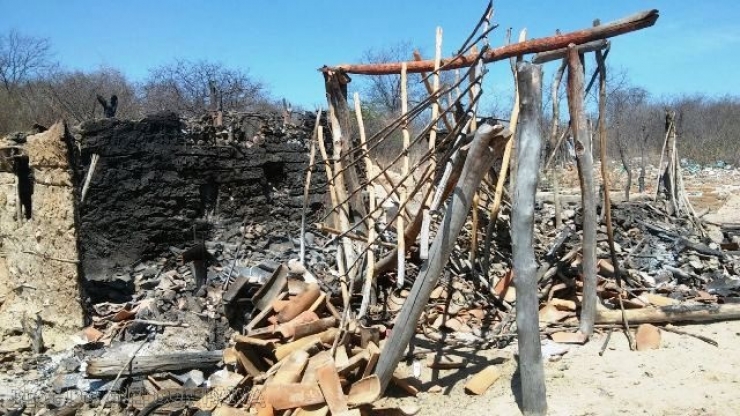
x=39, y=265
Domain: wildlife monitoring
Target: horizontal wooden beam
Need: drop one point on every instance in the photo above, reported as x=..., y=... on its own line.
x=618, y=27
x=556, y=54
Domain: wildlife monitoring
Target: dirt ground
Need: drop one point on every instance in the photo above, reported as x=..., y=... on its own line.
x=686, y=376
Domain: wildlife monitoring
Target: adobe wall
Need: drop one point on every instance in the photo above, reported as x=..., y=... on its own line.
x=38, y=239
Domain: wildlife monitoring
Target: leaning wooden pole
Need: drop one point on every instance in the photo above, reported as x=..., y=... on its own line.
x=600, y=61
x=479, y=160
x=585, y=163
x=426, y=215
x=531, y=371
x=628, y=24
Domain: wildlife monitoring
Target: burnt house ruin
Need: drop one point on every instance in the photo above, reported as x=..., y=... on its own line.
x=81, y=206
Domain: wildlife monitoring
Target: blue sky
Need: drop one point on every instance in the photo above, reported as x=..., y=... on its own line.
x=692, y=48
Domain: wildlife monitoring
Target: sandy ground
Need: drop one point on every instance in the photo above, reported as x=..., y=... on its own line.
x=685, y=376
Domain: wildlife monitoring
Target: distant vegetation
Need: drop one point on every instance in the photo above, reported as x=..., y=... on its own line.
x=35, y=89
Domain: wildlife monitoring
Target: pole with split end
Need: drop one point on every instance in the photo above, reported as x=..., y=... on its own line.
x=479, y=160
x=584, y=161
x=532, y=376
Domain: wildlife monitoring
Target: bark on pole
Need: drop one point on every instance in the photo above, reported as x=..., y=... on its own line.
x=585, y=163
x=531, y=371
x=479, y=160
x=628, y=24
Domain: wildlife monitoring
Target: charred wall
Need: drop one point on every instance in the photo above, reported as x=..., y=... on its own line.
x=159, y=178
x=39, y=271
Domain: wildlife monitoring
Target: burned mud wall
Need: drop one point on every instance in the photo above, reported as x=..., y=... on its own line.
x=160, y=179
x=38, y=239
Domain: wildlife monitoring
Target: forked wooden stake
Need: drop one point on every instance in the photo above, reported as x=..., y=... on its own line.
x=341, y=263
x=400, y=227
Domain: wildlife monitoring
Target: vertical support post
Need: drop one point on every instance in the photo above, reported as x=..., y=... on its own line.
x=400, y=226
x=584, y=161
x=531, y=371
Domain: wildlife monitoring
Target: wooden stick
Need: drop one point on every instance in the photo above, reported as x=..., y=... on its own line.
x=88, y=177
x=427, y=85
x=426, y=217
x=531, y=370
x=607, y=199
x=477, y=164
x=557, y=79
x=400, y=227
x=474, y=126
x=628, y=24
x=311, y=157
x=515, y=109
x=673, y=313
x=671, y=328
x=118, y=376
x=502, y=175
x=584, y=161
x=370, y=266
x=341, y=265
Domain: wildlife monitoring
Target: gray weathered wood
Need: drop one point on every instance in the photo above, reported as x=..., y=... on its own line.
x=543, y=57
x=109, y=367
x=479, y=160
x=585, y=163
x=531, y=371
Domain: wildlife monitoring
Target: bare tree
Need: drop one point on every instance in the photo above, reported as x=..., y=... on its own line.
x=185, y=87
x=22, y=58
x=383, y=92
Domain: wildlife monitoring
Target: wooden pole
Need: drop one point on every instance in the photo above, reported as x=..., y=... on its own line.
x=531, y=370
x=673, y=313
x=478, y=162
x=476, y=199
x=628, y=24
x=605, y=180
x=311, y=158
x=426, y=217
x=400, y=226
x=557, y=79
x=515, y=115
x=370, y=171
x=584, y=161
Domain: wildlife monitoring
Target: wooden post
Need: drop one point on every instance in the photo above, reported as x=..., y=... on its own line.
x=531, y=371
x=370, y=171
x=306, y=188
x=584, y=161
x=426, y=216
x=600, y=61
x=554, y=139
x=479, y=160
x=400, y=226
x=515, y=115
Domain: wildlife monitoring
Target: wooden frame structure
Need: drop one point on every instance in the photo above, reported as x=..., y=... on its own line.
x=447, y=180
